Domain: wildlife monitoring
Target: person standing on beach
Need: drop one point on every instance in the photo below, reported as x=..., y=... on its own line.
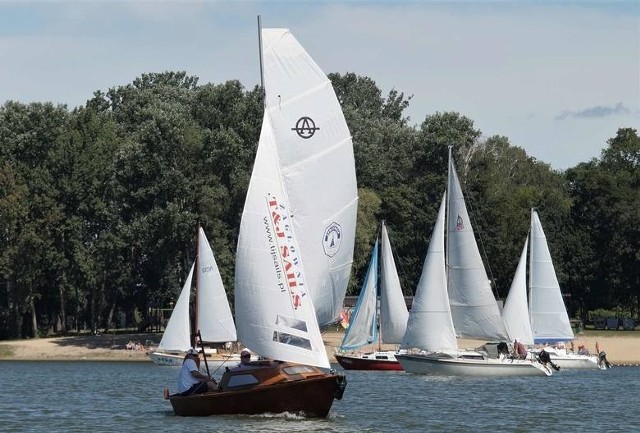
x=190, y=379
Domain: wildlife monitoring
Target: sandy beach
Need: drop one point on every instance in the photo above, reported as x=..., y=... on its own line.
x=622, y=347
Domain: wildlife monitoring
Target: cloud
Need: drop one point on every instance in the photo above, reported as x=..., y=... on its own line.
x=595, y=112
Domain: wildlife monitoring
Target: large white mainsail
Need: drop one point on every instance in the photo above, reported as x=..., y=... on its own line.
x=430, y=326
x=515, y=313
x=176, y=336
x=300, y=208
x=473, y=306
x=363, y=325
x=548, y=314
x=214, y=318
x=316, y=167
x=393, y=309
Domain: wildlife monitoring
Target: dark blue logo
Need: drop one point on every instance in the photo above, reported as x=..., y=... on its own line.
x=305, y=127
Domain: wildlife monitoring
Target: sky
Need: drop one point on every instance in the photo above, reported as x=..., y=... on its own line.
x=558, y=78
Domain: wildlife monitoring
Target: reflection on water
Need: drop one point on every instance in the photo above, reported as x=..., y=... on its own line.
x=127, y=397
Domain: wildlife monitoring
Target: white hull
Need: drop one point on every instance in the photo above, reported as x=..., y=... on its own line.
x=175, y=359
x=439, y=364
x=572, y=360
x=576, y=361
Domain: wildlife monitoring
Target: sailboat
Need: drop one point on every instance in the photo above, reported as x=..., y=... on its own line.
x=295, y=244
x=454, y=297
x=213, y=316
x=363, y=326
x=546, y=320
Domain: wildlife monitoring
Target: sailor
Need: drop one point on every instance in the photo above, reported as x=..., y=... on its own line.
x=519, y=351
x=190, y=379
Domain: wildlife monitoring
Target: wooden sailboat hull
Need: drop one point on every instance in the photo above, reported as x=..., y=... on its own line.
x=266, y=387
x=445, y=365
x=369, y=361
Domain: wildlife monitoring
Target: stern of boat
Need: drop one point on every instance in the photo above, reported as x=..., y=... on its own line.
x=341, y=385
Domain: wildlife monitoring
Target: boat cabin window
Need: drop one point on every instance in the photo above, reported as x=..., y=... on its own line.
x=382, y=357
x=298, y=369
x=241, y=380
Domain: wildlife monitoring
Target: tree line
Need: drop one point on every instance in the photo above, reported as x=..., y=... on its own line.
x=99, y=205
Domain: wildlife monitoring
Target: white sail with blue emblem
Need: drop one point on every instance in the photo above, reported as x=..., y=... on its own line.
x=316, y=167
x=295, y=245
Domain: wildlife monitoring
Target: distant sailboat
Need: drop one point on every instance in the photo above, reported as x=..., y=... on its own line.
x=363, y=327
x=454, y=296
x=295, y=244
x=545, y=320
x=213, y=316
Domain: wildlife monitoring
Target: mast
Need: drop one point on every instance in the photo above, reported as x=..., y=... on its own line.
x=447, y=216
x=378, y=292
x=261, y=59
x=196, y=268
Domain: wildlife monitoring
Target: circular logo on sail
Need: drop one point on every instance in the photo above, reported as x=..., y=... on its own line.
x=332, y=239
x=305, y=127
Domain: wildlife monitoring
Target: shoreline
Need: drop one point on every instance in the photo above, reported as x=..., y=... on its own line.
x=621, y=347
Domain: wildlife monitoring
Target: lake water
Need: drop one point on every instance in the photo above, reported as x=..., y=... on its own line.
x=127, y=397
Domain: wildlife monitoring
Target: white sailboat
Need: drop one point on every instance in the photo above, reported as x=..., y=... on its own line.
x=363, y=326
x=213, y=316
x=454, y=296
x=295, y=244
x=548, y=316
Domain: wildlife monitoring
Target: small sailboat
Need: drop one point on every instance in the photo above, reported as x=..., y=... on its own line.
x=546, y=322
x=363, y=327
x=295, y=244
x=213, y=316
x=454, y=297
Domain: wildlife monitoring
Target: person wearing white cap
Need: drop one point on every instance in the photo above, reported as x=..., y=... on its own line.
x=190, y=379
